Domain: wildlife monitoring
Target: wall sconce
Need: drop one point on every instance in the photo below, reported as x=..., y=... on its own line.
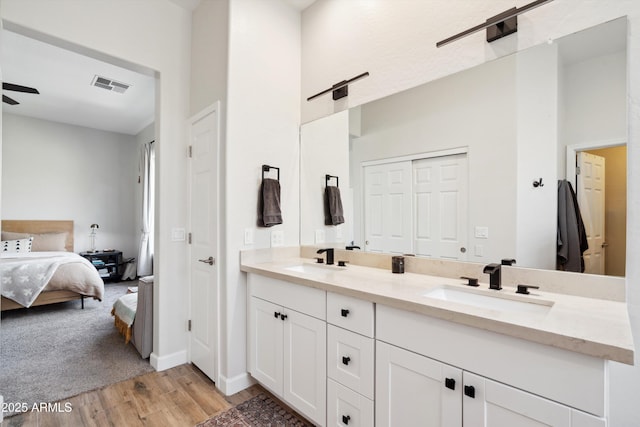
x=92, y=236
x=498, y=26
x=339, y=90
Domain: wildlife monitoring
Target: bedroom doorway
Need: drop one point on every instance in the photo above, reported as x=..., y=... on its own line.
x=83, y=164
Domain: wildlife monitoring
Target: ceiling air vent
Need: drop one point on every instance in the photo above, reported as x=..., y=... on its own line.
x=109, y=84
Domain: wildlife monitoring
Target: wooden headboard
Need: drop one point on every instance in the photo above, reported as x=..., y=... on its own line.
x=37, y=226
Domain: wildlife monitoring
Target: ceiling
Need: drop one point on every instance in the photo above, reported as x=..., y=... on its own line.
x=64, y=80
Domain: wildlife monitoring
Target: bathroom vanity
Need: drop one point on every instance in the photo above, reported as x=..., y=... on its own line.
x=349, y=345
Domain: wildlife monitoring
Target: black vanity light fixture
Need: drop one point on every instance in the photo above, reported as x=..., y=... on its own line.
x=498, y=26
x=341, y=89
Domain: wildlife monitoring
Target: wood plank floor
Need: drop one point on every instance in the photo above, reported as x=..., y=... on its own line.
x=181, y=396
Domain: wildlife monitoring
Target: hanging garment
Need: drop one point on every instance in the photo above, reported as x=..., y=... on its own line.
x=572, y=236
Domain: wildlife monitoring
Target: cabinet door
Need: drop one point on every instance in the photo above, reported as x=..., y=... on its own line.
x=498, y=405
x=305, y=364
x=413, y=390
x=265, y=344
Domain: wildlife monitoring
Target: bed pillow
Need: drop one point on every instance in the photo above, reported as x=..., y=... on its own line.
x=49, y=242
x=17, y=246
x=12, y=235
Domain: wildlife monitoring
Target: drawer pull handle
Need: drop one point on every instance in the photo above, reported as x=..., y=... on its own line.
x=450, y=383
x=470, y=391
x=346, y=360
x=283, y=316
x=276, y=314
x=346, y=419
x=344, y=312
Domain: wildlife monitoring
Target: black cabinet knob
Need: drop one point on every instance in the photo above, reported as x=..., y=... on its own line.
x=283, y=316
x=346, y=419
x=346, y=360
x=344, y=312
x=450, y=383
x=470, y=391
x=276, y=314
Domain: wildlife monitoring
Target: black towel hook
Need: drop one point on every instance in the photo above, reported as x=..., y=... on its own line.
x=538, y=183
x=266, y=168
x=328, y=177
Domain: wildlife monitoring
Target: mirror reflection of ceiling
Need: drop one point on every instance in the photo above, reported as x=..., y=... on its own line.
x=64, y=80
x=513, y=116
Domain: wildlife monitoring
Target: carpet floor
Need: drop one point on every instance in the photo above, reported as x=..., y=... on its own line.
x=54, y=352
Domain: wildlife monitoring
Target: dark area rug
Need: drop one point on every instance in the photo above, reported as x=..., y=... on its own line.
x=55, y=352
x=259, y=411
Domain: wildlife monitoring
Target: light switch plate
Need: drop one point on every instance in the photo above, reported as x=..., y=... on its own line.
x=178, y=234
x=248, y=236
x=482, y=232
x=319, y=236
x=277, y=238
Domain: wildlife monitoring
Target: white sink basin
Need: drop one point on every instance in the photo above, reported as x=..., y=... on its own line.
x=491, y=302
x=313, y=268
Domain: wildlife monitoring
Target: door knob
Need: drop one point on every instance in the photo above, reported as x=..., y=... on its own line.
x=211, y=260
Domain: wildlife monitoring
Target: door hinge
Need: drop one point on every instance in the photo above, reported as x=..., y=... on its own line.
x=189, y=325
x=189, y=238
x=190, y=151
x=577, y=170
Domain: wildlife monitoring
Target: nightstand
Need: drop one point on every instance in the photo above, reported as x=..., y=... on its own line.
x=108, y=263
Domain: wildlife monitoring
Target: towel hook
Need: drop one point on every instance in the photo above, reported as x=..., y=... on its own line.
x=538, y=183
x=328, y=177
x=266, y=168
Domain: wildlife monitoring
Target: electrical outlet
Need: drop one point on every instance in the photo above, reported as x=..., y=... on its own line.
x=479, y=250
x=277, y=238
x=248, y=236
x=319, y=236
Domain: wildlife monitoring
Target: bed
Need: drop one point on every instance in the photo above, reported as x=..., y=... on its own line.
x=73, y=277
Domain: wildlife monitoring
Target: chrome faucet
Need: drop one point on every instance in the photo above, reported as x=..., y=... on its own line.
x=329, y=252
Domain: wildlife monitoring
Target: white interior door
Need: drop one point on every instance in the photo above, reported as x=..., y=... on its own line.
x=204, y=138
x=440, y=207
x=387, y=207
x=590, y=183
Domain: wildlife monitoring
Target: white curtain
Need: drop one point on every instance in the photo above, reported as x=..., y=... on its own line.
x=147, y=178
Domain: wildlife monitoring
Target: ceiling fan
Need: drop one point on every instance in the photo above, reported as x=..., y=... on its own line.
x=16, y=88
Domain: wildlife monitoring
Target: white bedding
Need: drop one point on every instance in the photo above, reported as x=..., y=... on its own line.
x=25, y=275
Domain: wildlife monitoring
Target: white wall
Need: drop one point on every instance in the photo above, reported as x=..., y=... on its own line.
x=596, y=114
x=537, y=142
x=262, y=128
x=148, y=36
x=475, y=109
x=395, y=42
x=324, y=146
x=58, y=171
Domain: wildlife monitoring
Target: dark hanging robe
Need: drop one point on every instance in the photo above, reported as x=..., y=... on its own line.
x=572, y=236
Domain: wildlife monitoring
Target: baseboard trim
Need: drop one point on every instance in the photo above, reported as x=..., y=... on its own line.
x=229, y=386
x=162, y=363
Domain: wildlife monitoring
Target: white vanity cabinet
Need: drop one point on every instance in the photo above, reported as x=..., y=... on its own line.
x=531, y=385
x=350, y=361
x=287, y=343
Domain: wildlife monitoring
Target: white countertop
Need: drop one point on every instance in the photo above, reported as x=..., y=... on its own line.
x=590, y=326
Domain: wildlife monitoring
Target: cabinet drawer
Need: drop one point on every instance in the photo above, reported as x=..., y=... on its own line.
x=301, y=298
x=350, y=360
x=350, y=313
x=347, y=408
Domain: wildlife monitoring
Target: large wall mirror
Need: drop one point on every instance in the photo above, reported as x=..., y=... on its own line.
x=474, y=166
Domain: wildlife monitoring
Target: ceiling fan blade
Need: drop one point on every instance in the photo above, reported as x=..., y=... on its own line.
x=18, y=88
x=9, y=100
